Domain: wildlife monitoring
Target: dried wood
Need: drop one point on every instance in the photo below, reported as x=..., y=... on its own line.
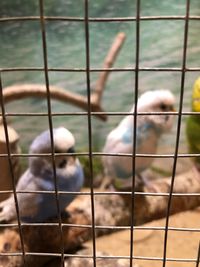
x=110, y=210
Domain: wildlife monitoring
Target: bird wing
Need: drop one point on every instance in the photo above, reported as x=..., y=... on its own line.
x=120, y=140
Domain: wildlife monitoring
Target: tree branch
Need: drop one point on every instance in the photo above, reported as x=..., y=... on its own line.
x=16, y=92
x=19, y=91
x=108, y=62
x=115, y=210
x=110, y=210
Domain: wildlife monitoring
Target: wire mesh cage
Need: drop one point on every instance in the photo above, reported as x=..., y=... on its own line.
x=97, y=212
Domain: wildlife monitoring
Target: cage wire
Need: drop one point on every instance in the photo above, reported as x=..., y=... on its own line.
x=90, y=153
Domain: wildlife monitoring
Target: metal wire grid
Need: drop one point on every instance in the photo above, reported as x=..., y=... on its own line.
x=11, y=169
x=178, y=128
x=137, y=60
x=87, y=20
x=44, y=45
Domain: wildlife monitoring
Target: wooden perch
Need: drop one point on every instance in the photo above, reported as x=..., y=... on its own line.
x=87, y=262
x=115, y=210
x=110, y=210
x=19, y=91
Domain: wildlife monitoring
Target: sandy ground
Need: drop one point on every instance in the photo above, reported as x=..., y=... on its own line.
x=149, y=243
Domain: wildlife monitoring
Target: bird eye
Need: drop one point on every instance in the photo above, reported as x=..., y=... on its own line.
x=71, y=150
x=62, y=164
x=7, y=246
x=163, y=107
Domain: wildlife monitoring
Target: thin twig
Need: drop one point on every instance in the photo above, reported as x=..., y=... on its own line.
x=108, y=63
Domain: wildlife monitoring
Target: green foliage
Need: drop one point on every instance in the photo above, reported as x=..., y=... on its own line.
x=97, y=169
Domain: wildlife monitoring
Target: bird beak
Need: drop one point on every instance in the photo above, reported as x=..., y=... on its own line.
x=71, y=150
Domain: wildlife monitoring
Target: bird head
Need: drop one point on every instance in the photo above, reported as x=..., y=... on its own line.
x=196, y=96
x=63, y=143
x=158, y=101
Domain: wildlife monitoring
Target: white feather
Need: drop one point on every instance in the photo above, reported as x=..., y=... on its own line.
x=149, y=129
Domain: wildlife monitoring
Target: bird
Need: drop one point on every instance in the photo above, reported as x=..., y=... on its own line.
x=193, y=125
x=118, y=169
x=39, y=176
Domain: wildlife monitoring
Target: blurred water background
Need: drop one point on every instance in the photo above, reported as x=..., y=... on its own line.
x=161, y=45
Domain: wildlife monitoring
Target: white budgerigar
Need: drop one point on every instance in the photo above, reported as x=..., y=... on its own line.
x=38, y=207
x=149, y=129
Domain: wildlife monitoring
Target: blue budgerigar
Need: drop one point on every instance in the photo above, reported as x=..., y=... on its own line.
x=38, y=207
x=118, y=169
